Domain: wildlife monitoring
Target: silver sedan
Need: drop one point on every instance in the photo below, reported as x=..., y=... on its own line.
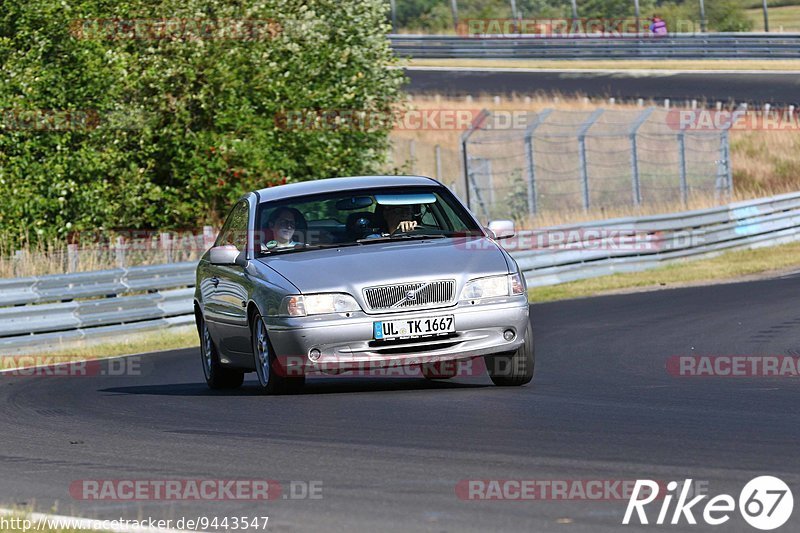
x=347, y=274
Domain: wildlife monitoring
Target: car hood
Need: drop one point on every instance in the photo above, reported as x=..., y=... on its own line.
x=350, y=269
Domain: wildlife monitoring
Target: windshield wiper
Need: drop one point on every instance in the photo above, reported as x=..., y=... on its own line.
x=402, y=236
x=298, y=248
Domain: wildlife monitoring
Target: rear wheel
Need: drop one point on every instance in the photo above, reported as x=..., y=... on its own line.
x=271, y=375
x=515, y=368
x=217, y=376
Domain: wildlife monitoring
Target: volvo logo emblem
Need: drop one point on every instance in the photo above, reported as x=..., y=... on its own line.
x=411, y=296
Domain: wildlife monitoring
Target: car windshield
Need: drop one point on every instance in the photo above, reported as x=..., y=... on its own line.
x=361, y=217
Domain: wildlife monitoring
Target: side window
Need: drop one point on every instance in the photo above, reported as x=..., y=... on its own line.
x=235, y=229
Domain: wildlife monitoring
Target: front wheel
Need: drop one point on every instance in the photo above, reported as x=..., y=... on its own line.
x=515, y=368
x=217, y=376
x=271, y=378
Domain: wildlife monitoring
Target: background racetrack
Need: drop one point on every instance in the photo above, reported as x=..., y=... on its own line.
x=776, y=88
x=389, y=451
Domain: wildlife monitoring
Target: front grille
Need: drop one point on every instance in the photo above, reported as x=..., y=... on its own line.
x=421, y=293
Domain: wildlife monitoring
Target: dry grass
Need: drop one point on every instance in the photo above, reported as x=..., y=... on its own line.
x=784, y=18
x=764, y=163
x=621, y=64
x=51, y=257
x=144, y=342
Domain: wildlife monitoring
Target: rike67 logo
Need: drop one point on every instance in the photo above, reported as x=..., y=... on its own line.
x=765, y=503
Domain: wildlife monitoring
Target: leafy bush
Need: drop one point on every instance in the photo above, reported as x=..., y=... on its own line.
x=179, y=127
x=727, y=15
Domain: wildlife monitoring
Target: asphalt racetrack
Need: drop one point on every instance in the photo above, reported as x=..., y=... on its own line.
x=776, y=88
x=390, y=451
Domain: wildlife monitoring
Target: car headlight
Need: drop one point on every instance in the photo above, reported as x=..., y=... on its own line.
x=510, y=285
x=318, y=304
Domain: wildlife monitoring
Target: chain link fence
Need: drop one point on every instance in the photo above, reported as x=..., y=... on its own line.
x=409, y=156
x=581, y=160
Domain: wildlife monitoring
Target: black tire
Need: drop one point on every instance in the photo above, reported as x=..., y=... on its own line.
x=440, y=369
x=217, y=376
x=515, y=368
x=271, y=375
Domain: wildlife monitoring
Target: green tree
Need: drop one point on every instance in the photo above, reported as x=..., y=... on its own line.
x=178, y=127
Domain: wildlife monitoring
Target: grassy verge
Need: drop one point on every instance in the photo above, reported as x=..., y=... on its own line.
x=786, y=18
x=622, y=64
x=729, y=266
x=168, y=339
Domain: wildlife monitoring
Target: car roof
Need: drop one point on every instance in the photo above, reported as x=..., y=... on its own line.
x=282, y=192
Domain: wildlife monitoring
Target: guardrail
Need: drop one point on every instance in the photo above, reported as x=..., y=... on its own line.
x=571, y=252
x=674, y=46
x=48, y=310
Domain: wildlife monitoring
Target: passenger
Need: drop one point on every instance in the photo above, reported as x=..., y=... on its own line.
x=658, y=26
x=282, y=224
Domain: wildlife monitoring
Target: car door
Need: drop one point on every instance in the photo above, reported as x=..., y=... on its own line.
x=226, y=307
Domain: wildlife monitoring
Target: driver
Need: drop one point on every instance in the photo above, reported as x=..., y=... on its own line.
x=399, y=218
x=282, y=223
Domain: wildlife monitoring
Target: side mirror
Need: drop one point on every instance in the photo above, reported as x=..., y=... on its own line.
x=502, y=229
x=226, y=255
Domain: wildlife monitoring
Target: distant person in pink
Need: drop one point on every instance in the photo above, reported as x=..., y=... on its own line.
x=658, y=26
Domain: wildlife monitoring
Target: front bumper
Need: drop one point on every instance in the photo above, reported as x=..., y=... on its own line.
x=346, y=342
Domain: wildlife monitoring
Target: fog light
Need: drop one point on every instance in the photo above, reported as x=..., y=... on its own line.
x=314, y=354
x=508, y=335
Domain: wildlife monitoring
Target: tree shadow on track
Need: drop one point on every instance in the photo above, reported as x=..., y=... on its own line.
x=313, y=386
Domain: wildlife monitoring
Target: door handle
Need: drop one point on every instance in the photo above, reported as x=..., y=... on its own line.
x=215, y=281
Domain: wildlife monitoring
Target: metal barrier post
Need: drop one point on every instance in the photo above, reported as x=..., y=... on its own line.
x=728, y=165
x=119, y=252
x=18, y=261
x=723, y=182
x=472, y=183
x=412, y=155
x=484, y=114
x=72, y=258
x=438, y=156
x=682, y=167
x=584, y=128
x=637, y=189
x=208, y=237
x=533, y=197
x=166, y=246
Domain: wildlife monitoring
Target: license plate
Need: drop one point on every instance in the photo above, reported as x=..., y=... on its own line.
x=413, y=327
